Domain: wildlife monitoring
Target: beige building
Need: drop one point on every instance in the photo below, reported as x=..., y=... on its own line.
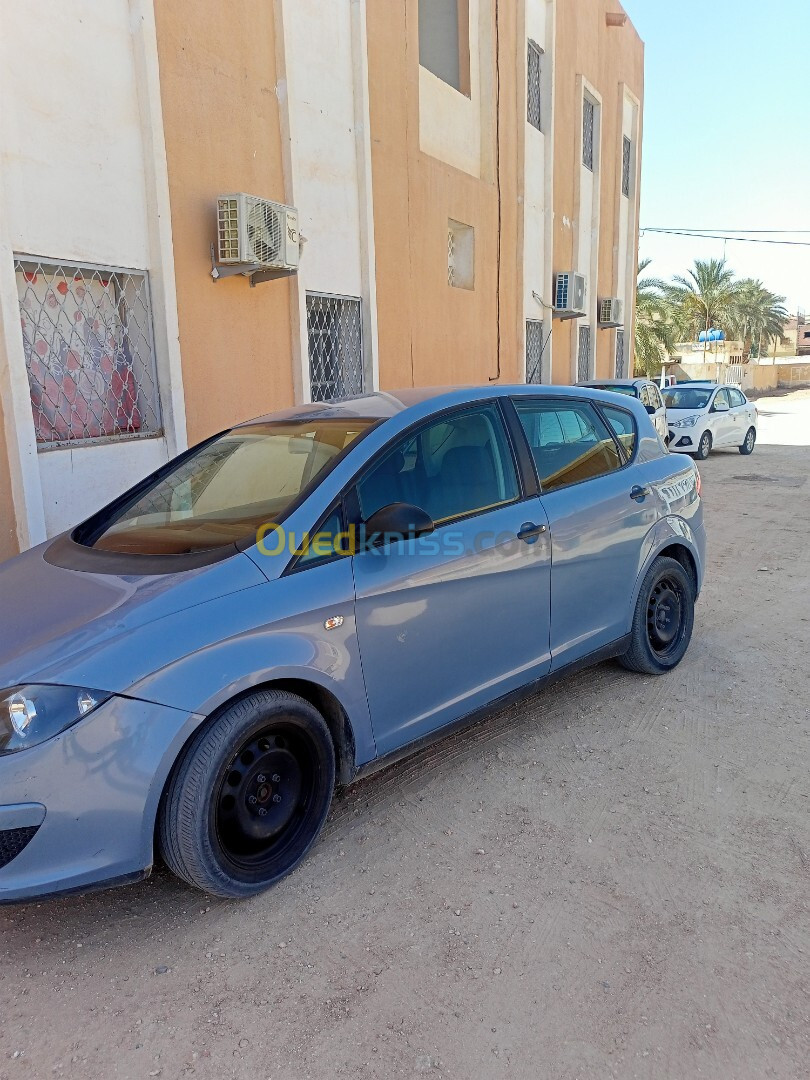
x=465, y=175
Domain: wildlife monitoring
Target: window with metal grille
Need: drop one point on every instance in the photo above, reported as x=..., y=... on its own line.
x=460, y=255
x=620, y=354
x=534, y=113
x=335, y=332
x=627, y=161
x=584, y=354
x=588, y=125
x=534, y=351
x=89, y=352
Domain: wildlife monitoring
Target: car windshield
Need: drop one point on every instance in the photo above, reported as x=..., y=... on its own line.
x=624, y=388
x=227, y=488
x=687, y=397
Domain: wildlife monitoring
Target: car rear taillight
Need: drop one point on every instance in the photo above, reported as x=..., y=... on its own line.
x=699, y=485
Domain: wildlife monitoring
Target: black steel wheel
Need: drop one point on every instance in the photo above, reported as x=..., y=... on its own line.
x=704, y=446
x=249, y=795
x=663, y=619
x=750, y=442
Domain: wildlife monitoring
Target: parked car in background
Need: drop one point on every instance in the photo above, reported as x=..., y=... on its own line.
x=647, y=393
x=303, y=597
x=704, y=415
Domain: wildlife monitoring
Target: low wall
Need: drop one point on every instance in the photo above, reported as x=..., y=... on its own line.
x=793, y=374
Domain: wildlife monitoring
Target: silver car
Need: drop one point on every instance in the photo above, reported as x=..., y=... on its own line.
x=297, y=600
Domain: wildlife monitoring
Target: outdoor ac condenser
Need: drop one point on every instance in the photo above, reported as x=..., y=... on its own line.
x=570, y=293
x=257, y=232
x=611, y=312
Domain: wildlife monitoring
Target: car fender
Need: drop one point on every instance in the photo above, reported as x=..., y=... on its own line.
x=669, y=531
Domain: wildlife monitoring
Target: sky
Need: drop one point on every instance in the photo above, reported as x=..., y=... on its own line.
x=726, y=140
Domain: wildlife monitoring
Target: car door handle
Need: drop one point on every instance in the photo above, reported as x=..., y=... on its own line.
x=639, y=493
x=531, y=532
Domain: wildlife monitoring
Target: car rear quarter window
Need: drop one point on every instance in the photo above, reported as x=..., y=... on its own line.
x=736, y=398
x=457, y=466
x=624, y=428
x=569, y=442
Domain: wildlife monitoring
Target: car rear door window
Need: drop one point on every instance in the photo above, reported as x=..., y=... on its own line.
x=457, y=466
x=735, y=397
x=624, y=428
x=568, y=440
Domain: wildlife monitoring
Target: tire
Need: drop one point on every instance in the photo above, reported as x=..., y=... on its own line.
x=663, y=619
x=750, y=442
x=704, y=446
x=249, y=795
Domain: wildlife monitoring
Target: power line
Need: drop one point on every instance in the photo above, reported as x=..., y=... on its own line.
x=718, y=236
x=744, y=232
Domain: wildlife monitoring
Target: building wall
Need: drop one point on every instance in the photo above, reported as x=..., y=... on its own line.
x=609, y=60
x=81, y=182
x=220, y=94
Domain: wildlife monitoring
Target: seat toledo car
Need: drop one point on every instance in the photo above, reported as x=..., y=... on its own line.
x=191, y=671
x=703, y=416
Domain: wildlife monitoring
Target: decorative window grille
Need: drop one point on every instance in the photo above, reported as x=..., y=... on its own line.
x=584, y=354
x=533, y=97
x=460, y=255
x=534, y=351
x=89, y=351
x=335, y=331
x=588, y=125
x=620, y=354
x=451, y=255
x=627, y=159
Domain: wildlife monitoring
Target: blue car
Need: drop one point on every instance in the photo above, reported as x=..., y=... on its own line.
x=297, y=600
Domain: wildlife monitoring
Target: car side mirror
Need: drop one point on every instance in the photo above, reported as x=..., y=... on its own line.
x=720, y=406
x=399, y=521
x=651, y=409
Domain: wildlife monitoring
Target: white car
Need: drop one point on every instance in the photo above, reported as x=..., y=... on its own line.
x=702, y=416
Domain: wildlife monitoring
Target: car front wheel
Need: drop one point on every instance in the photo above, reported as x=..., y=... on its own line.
x=704, y=446
x=249, y=795
x=663, y=619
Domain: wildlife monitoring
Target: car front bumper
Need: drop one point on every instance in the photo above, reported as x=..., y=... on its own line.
x=79, y=810
x=683, y=441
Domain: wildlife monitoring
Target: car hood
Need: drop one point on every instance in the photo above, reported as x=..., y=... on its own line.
x=57, y=619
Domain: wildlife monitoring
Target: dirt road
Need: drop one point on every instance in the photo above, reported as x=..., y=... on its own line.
x=609, y=880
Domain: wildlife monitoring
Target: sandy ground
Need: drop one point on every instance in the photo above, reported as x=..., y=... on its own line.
x=609, y=880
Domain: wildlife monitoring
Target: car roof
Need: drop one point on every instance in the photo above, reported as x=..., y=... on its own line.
x=383, y=404
x=616, y=382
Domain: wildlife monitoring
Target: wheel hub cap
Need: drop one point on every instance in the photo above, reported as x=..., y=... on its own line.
x=261, y=793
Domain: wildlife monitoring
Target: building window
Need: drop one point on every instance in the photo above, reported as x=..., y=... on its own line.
x=335, y=332
x=89, y=352
x=534, y=113
x=444, y=41
x=460, y=255
x=534, y=351
x=584, y=354
x=588, y=131
x=619, y=354
x=627, y=162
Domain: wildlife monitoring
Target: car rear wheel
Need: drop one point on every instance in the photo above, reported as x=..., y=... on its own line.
x=663, y=619
x=704, y=446
x=750, y=441
x=249, y=795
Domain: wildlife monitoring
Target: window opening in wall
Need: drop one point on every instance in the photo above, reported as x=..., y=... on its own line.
x=335, y=332
x=627, y=159
x=534, y=112
x=534, y=351
x=444, y=41
x=588, y=128
x=584, y=354
x=460, y=255
x=89, y=352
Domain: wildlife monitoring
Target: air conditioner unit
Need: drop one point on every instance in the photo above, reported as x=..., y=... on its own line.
x=256, y=232
x=611, y=311
x=570, y=291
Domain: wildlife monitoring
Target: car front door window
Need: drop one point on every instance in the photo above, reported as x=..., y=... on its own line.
x=455, y=468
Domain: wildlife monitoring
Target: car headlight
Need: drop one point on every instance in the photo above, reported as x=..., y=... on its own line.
x=31, y=714
x=687, y=421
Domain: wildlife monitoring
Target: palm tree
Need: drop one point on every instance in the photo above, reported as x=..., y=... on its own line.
x=759, y=316
x=703, y=299
x=654, y=334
